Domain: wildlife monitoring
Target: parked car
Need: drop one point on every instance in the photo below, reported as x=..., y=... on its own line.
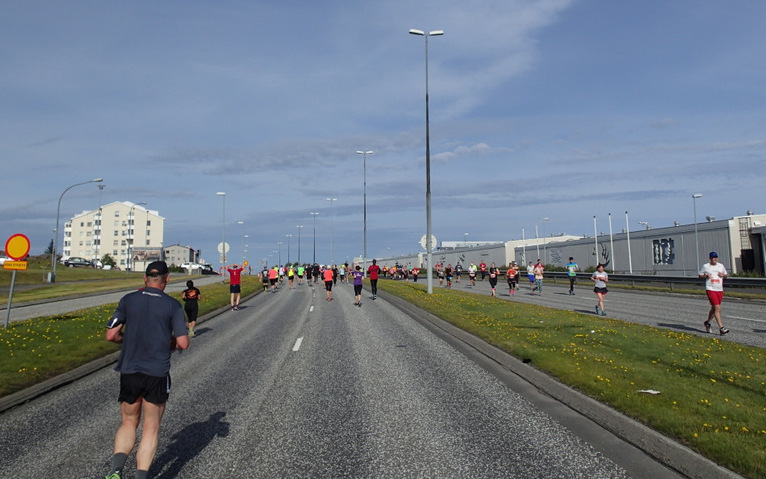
x=207, y=269
x=3, y=259
x=75, y=261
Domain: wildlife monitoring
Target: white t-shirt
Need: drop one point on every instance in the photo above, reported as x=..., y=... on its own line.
x=714, y=281
x=600, y=276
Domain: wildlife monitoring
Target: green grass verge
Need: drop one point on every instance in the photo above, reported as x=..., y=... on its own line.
x=34, y=350
x=712, y=391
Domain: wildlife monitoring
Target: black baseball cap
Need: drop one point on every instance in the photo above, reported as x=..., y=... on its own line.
x=157, y=268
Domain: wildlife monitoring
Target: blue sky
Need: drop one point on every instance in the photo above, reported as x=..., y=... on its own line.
x=539, y=109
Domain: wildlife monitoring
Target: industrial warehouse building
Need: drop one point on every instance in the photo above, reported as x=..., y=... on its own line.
x=669, y=251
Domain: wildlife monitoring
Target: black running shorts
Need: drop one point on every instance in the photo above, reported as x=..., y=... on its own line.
x=151, y=388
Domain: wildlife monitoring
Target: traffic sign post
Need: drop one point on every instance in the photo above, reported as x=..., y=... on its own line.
x=16, y=248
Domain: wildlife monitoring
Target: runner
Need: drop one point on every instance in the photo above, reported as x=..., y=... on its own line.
x=448, y=275
x=714, y=273
x=539, y=270
x=458, y=272
x=358, y=276
x=154, y=327
x=511, y=275
x=191, y=297
x=483, y=269
x=372, y=272
x=328, y=281
x=265, y=279
x=273, y=278
x=572, y=269
x=493, y=274
x=290, y=276
x=600, y=278
x=531, y=275
x=472, y=274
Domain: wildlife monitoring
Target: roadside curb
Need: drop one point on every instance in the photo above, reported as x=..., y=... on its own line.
x=664, y=450
x=20, y=397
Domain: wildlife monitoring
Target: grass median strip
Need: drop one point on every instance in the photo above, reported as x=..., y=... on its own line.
x=711, y=392
x=38, y=349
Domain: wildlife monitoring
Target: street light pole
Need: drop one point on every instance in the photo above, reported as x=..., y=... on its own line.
x=332, y=230
x=222, y=194
x=131, y=264
x=545, y=250
x=289, y=237
x=300, y=227
x=242, y=231
x=696, y=242
x=52, y=278
x=365, y=153
x=314, y=214
x=429, y=246
x=280, y=252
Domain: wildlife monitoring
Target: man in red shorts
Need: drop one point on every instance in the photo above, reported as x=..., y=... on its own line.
x=714, y=273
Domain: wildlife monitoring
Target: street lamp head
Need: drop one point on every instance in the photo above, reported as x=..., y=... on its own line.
x=221, y=193
x=432, y=33
x=360, y=152
x=697, y=195
x=97, y=180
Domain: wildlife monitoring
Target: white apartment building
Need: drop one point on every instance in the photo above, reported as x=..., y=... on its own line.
x=126, y=231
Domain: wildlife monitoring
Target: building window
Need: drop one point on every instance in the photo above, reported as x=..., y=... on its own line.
x=116, y=213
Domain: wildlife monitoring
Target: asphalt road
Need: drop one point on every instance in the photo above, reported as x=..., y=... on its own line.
x=295, y=386
x=680, y=312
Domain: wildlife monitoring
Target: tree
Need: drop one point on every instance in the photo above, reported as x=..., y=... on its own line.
x=49, y=249
x=108, y=260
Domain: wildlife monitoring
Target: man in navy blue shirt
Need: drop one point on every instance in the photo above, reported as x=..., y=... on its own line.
x=155, y=326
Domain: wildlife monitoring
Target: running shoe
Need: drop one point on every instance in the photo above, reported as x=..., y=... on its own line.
x=114, y=475
x=603, y=313
x=723, y=331
x=598, y=310
x=707, y=326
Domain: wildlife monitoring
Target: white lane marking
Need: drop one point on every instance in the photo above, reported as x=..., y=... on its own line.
x=748, y=319
x=298, y=344
x=311, y=309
